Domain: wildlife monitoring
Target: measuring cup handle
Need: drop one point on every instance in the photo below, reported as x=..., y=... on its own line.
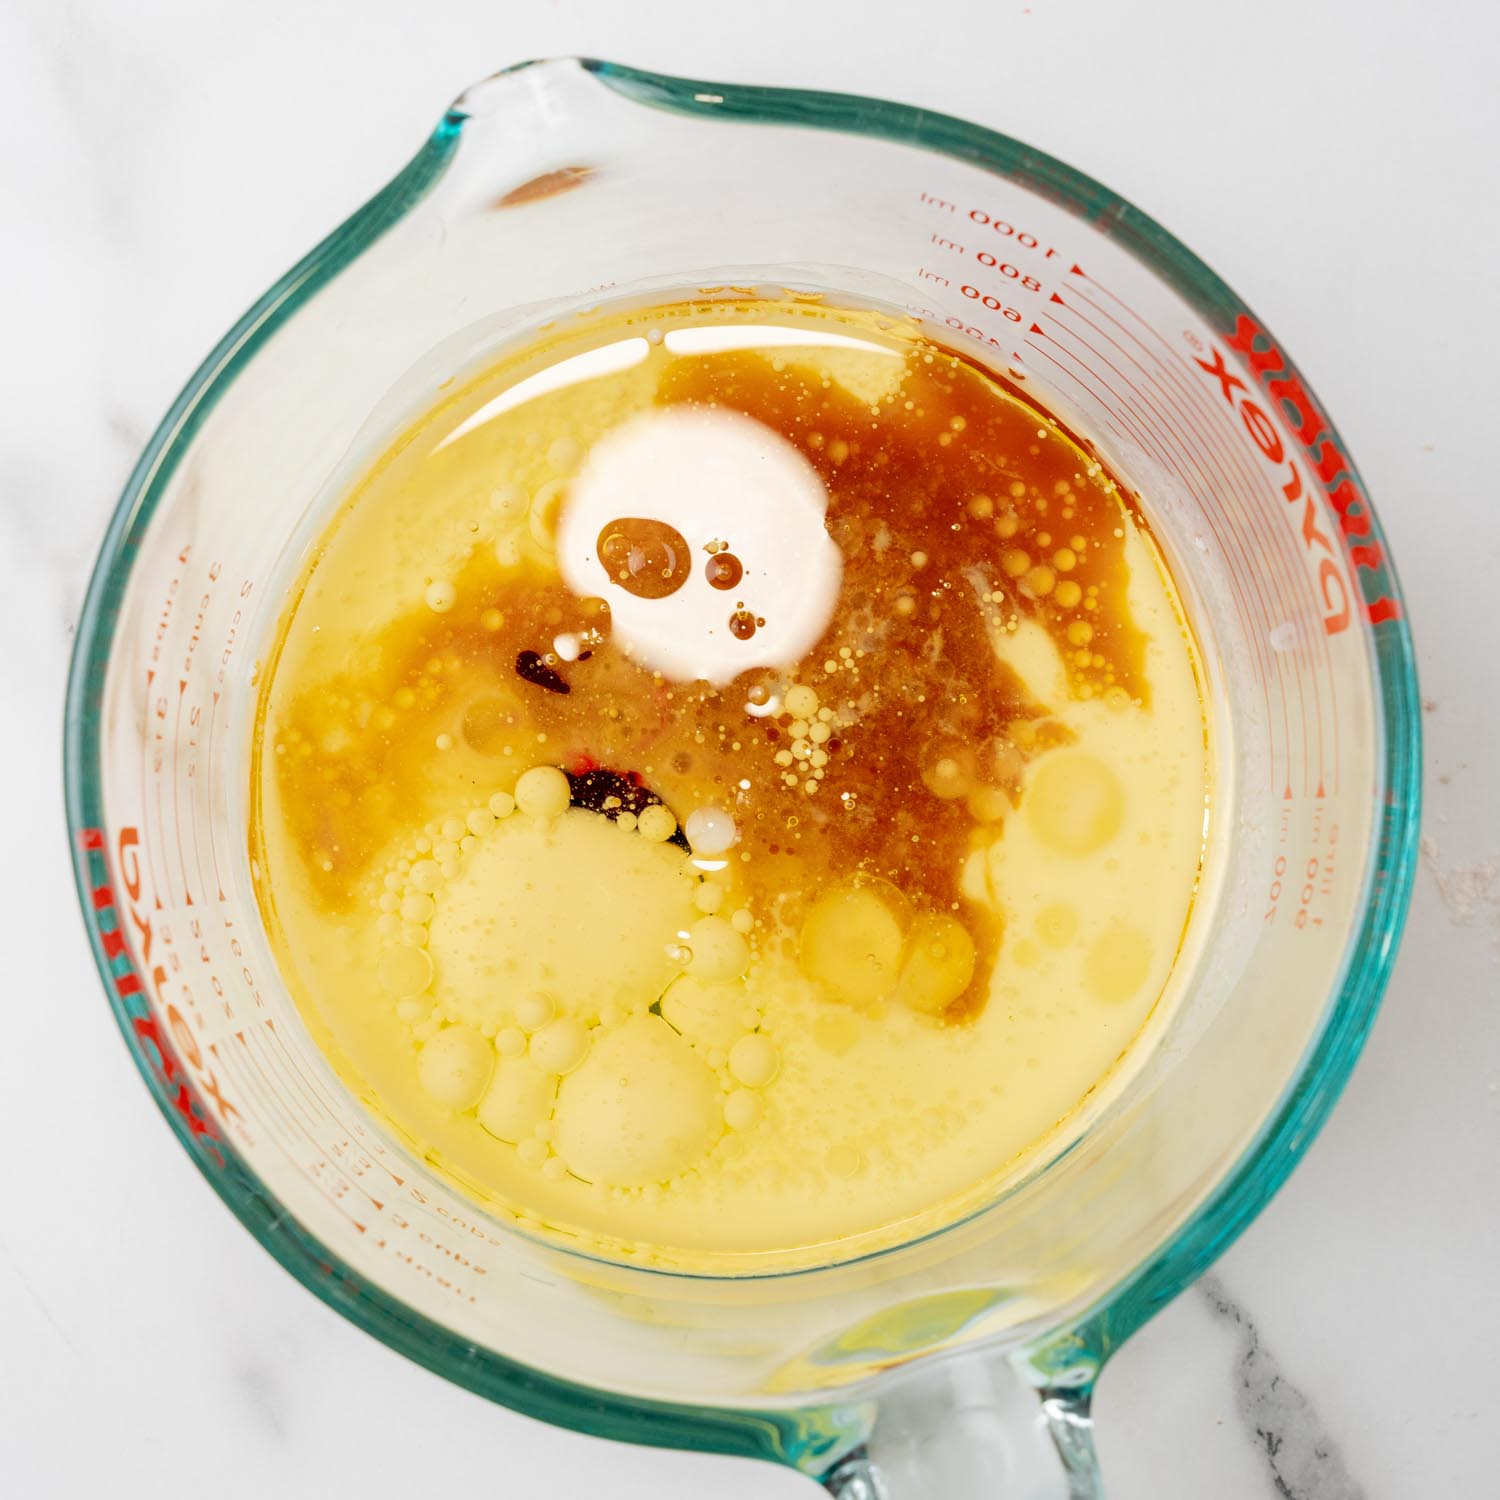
x=971, y=1429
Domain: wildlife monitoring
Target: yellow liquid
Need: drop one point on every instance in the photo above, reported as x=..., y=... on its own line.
x=732, y=799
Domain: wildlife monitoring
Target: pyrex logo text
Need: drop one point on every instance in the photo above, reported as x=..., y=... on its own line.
x=165, y=1051
x=1329, y=463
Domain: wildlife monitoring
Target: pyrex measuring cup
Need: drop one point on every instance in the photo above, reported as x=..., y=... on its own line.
x=961, y=1364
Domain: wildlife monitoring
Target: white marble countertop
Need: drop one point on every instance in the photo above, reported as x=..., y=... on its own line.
x=167, y=159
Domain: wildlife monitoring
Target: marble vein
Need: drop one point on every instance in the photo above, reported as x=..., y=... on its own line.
x=1303, y=1462
x=36, y=1298
x=263, y=1397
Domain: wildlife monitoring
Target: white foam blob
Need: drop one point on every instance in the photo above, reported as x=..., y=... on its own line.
x=714, y=476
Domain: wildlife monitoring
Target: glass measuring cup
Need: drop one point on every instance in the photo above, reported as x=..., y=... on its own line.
x=963, y=1363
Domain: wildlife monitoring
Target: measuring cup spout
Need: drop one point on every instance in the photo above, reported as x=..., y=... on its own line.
x=972, y=1429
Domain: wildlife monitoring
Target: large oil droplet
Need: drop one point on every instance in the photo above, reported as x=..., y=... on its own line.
x=723, y=570
x=648, y=559
x=742, y=624
x=641, y=1108
x=1074, y=803
x=1117, y=965
x=851, y=941
x=455, y=1066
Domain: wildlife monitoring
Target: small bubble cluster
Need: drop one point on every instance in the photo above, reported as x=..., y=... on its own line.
x=809, y=726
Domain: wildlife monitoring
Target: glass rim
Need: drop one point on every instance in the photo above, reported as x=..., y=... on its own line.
x=791, y=1436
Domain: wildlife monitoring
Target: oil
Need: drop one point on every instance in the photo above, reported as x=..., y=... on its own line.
x=733, y=799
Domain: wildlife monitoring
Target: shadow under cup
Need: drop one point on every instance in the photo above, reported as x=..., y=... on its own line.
x=548, y=188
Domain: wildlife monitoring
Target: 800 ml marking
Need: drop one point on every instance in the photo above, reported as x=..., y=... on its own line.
x=1006, y=269
x=985, y=258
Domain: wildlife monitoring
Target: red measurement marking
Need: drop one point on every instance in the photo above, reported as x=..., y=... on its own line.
x=1127, y=412
x=313, y=1089
x=1280, y=542
x=1083, y=385
x=239, y=1123
x=306, y=1108
x=187, y=893
x=1232, y=467
x=313, y=1095
x=1270, y=667
x=158, y=777
x=213, y=851
x=147, y=848
x=1231, y=438
x=272, y=1102
x=1215, y=511
x=196, y=840
x=312, y=1092
x=1163, y=432
x=1226, y=442
x=1277, y=541
x=161, y=835
x=272, y=1107
x=157, y=711
x=374, y=1150
x=1191, y=452
x=200, y=789
x=1186, y=438
x=1166, y=429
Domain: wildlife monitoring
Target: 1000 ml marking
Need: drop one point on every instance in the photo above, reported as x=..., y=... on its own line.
x=985, y=220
